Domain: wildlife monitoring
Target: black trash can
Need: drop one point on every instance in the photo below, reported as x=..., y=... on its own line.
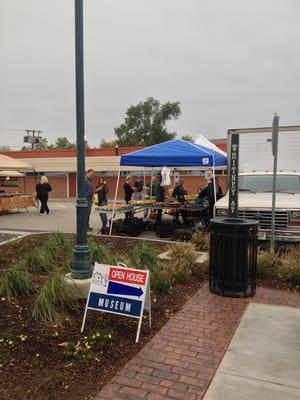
x=233, y=256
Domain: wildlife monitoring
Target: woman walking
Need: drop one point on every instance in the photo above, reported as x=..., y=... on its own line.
x=102, y=190
x=42, y=193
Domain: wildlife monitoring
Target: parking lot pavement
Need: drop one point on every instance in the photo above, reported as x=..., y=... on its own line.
x=62, y=217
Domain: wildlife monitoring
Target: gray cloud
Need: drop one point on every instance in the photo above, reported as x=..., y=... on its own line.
x=230, y=64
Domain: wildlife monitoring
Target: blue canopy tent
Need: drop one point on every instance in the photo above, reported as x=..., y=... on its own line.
x=173, y=153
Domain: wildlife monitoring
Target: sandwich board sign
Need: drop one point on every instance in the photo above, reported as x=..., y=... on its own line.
x=119, y=290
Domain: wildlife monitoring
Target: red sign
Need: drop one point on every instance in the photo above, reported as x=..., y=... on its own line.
x=127, y=275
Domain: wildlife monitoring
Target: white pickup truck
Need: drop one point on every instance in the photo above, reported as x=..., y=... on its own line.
x=255, y=183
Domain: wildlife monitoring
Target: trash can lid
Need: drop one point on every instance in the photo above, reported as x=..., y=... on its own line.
x=234, y=221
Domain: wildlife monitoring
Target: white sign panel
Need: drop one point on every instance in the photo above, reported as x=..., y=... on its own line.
x=119, y=290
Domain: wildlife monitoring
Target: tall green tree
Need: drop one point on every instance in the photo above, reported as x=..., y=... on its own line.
x=145, y=123
x=63, y=143
x=107, y=143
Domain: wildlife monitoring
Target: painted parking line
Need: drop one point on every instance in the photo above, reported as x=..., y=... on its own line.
x=58, y=205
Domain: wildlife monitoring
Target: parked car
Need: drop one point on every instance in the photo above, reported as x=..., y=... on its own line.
x=256, y=182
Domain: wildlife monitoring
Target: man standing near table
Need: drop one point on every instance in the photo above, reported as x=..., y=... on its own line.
x=89, y=196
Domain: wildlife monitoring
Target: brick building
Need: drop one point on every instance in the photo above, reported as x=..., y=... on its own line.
x=60, y=167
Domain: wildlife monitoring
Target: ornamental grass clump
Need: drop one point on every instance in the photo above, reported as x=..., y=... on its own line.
x=99, y=253
x=58, y=246
x=143, y=256
x=290, y=267
x=37, y=261
x=162, y=278
x=266, y=264
x=180, y=271
x=182, y=261
x=183, y=252
x=201, y=241
x=52, y=300
x=16, y=281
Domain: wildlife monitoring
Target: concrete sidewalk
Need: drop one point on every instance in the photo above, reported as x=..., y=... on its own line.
x=182, y=358
x=263, y=359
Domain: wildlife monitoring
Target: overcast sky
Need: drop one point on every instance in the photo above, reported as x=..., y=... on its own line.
x=230, y=64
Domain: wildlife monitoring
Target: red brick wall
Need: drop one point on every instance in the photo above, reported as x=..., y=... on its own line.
x=58, y=184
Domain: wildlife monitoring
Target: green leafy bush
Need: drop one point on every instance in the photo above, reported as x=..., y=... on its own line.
x=16, y=281
x=266, y=263
x=201, y=240
x=52, y=300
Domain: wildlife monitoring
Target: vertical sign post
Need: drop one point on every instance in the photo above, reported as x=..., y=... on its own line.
x=275, y=128
x=234, y=176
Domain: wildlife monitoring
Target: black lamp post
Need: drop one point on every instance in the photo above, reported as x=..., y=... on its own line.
x=81, y=266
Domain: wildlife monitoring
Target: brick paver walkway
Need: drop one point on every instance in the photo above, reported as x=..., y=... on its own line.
x=182, y=358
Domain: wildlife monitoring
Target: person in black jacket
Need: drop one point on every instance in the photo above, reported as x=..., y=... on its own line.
x=179, y=193
x=102, y=190
x=159, y=197
x=128, y=191
x=42, y=193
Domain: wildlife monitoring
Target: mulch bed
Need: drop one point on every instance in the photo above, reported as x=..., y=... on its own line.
x=39, y=362
x=275, y=281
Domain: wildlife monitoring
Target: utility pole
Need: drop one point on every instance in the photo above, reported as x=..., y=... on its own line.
x=81, y=267
x=31, y=137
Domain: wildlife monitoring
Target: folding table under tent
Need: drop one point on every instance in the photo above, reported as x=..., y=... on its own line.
x=173, y=153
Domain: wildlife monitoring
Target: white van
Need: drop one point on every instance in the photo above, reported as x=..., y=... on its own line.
x=256, y=179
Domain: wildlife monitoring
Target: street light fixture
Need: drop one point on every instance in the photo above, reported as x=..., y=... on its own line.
x=81, y=267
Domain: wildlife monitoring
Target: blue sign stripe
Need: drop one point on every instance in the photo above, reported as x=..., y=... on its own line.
x=115, y=304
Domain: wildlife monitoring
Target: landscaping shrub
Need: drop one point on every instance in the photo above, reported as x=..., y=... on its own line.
x=266, y=263
x=53, y=299
x=37, y=261
x=201, y=240
x=162, y=278
x=183, y=253
x=143, y=256
x=98, y=252
x=290, y=267
x=180, y=271
x=16, y=281
x=58, y=246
